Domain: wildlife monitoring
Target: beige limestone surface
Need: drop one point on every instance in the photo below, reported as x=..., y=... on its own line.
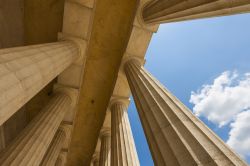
x=24, y=71
x=112, y=22
x=55, y=148
x=179, y=10
x=11, y=23
x=31, y=145
x=105, y=150
x=42, y=22
x=123, y=150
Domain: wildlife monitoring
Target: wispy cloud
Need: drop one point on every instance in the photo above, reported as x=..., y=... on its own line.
x=227, y=102
x=221, y=101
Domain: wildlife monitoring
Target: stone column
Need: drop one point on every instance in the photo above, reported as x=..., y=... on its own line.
x=175, y=136
x=31, y=145
x=163, y=11
x=105, y=147
x=55, y=147
x=61, y=160
x=95, y=159
x=24, y=71
x=123, y=151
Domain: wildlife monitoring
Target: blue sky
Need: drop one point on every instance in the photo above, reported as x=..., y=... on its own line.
x=185, y=56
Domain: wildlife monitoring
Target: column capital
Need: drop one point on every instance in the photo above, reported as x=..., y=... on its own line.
x=66, y=128
x=61, y=159
x=63, y=130
x=128, y=58
x=138, y=60
x=140, y=18
x=71, y=92
x=119, y=99
x=105, y=131
x=81, y=43
x=63, y=154
x=96, y=156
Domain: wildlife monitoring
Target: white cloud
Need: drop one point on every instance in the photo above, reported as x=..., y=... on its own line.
x=227, y=101
x=224, y=99
x=239, y=136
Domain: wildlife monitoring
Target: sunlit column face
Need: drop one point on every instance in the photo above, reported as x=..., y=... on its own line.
x=123, y=151
x=31, y=145
x=178, y=10
x=174, y=134
x=26, y=70
x=105, y=152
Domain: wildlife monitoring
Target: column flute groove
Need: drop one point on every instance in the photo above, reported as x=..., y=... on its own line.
x=174, y=134
x=105, y=147
x=31, y=145
x=155, y=148
x=55, y=148
x=123, y=151
x=179, y=10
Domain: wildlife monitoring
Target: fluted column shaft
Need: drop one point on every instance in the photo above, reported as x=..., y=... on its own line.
x=95, y=159
x=174, y=134
x=24, y=71
x=55, y=148
x=31, y=145
x=163, y=11
x=105, y=149
x=123, y=151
